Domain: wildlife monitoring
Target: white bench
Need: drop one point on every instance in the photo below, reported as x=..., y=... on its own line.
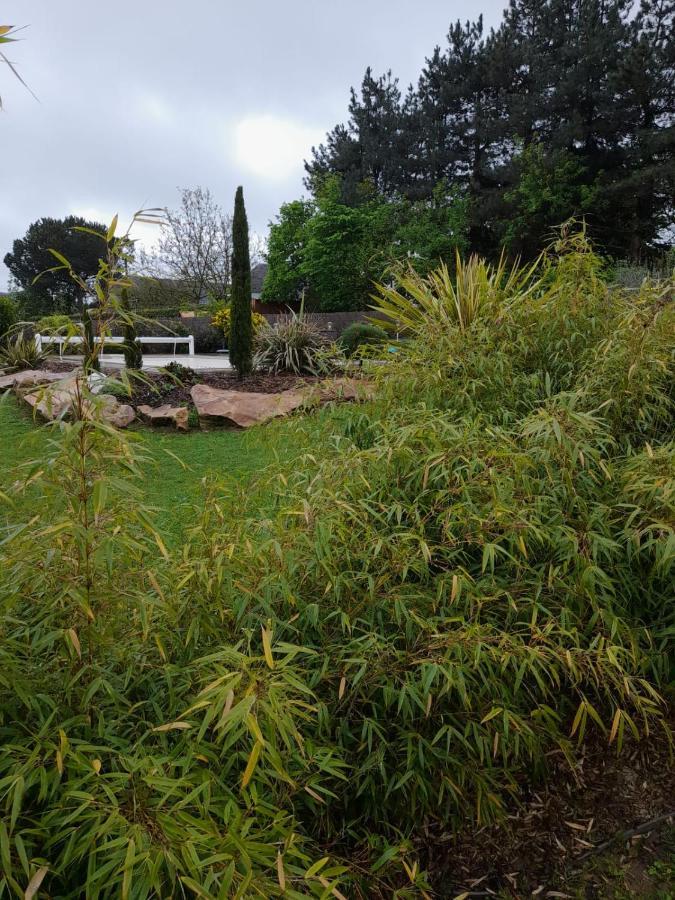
x=43, y=340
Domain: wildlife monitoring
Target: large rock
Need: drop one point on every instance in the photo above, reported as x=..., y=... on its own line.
x=28, y=378
x=49, y=403
x=165, y=415
x=115, y=413
x=241, y=408
x=53, y=402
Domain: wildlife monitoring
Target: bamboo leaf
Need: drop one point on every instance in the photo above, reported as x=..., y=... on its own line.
x=251, y=764
x=35, y=882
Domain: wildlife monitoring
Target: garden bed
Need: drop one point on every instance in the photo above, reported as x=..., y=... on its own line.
x=178, y=397
x=155, y=388
x=590, y=831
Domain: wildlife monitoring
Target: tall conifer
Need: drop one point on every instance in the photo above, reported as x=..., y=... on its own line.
x=241, y=327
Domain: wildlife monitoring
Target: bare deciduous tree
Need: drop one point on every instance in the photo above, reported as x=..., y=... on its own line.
x=194, y=248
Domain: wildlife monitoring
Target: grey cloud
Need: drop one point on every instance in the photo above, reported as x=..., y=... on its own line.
x=137, y=98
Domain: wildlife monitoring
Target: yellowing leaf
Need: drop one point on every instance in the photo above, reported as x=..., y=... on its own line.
x=35, y=883
x=75, y=641
x=254, y=728
x=173, y=726
x=615, y=725
x=251, y=764
x=153, y=581
x=160, y=544
x=314, y=794
x=281, y=875
x=341, y=689
x=267, y=647
x=112, y=229
x=334, y=891
x=160, y=647
x=96, y=765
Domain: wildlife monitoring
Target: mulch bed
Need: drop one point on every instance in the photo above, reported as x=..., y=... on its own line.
x=551, y=841
x=154, y=389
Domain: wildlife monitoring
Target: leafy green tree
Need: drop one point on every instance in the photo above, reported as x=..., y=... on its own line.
x=340, y=252
x=284, y=280
x=30, y=257
x=431, y=231
x=335, y=251
x=642, y=189
x=550, y=190
x=241, y=327
x=31, y=305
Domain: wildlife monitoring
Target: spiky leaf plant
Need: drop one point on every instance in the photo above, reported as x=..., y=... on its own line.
x=20, y=352
x=293, y=344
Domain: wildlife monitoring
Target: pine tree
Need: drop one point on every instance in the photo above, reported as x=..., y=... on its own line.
x=369, y=152
x=588, y=84
x=241, y=328
x=643, y=189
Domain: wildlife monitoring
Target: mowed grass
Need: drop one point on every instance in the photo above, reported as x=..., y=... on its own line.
x=173, y=478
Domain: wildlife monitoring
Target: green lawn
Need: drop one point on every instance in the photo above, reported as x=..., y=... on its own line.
x=169, y=486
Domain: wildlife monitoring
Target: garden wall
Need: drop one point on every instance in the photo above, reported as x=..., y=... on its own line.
x=209, y=340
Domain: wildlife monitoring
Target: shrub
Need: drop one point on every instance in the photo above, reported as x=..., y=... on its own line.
x=132, y=347
x=56, y=324
x=455, y=584
x=183, y=374
x=120, y=389
x=294, y=344
x=20, y=352
x=8, y=315
x=361, y=334
x=443, y=300
x=222, y=316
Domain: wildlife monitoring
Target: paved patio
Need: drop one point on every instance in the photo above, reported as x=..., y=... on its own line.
x=200, y=362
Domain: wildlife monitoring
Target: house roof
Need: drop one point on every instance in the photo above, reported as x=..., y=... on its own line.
x=258, y=272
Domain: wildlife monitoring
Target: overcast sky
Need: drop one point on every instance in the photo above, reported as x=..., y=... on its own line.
x=138, y=97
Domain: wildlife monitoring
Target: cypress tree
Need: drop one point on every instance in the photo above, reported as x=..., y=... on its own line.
x=133, y=352
x=241, y=325
x=90, y=362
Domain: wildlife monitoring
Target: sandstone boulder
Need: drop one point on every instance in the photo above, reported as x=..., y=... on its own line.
x=53, y=402
x=28, y=378
x=49, y=403
x=165, y=415
x=242, y=409
x=115, y=413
